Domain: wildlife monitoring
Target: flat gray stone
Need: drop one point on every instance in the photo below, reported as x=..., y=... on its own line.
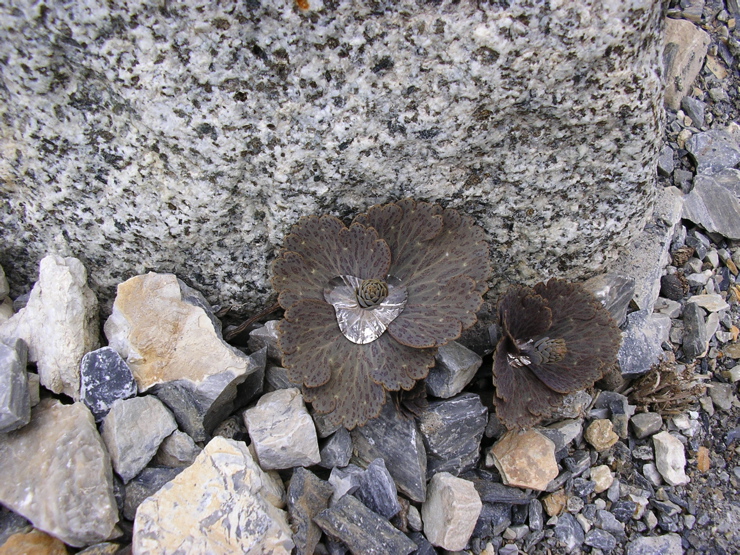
x=614, y=291
x=104, y=378
x=307, y=497
x=198, y=158
x=455, y=367
x=15, y=398
x=666, y=162
x=645, y=424
x=337, y=450
x=133, y=430
x=569, y=532
x=452, y=431
x=713, y=151
x=694, y=108
x=641, y=342
x=396, y=439
x=266, y=336
x=177, y=450
x=694, y=331
x=361, y=529
x=276, y=377
x=61, y=474
x=713, y=207
x=377, y=491
x=144, y=485
x=668, y=544
x=345, y=480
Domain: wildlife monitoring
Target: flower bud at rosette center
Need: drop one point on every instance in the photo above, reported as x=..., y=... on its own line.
x=371, y=293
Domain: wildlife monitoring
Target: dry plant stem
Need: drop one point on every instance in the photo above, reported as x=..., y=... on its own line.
x=231, y=334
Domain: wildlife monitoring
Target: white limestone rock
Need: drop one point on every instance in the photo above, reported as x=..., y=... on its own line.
x=59, y=323
x=223, y=503
x=450, y=511
x=167, y=334
x=57, y=474
x=282, y=431
x=133, y=431
x=199, y=161
x=670, y=459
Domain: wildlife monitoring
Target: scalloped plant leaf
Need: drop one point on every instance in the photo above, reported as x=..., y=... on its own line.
x=558, y=339
x=443, y=259
x=345, y=380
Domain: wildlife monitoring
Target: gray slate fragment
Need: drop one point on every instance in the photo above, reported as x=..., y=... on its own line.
x=15, y=397
x=713, y=151
x=452, y=431
x=665, y=161
x=145, y=484
x=494, y=518
x=276, y=377
x=694, y=108
x=600, y=539
x=641, y=342
x=455, y=367
x=668, y=544
x=337, y=450
x=307, y=497
x=713, y=207
x=694, y=330
x=536, y=519
x=177, y=450
x=568, y=532
x=496, y=492
x=345, y=480
x=646, y=424
x=614, y=291
x=266, y=336
x=104, y=378
x=11, y=523
x=133, y=430
x=682, y=179
x=395, y=438
x=362, y=530
x=422, y=544
x=199, y=408
x=377, y=491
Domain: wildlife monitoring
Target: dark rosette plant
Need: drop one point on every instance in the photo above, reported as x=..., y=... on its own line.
x=557, y=338
x=366, y=306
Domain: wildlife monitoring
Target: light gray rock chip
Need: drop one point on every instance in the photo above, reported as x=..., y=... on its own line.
x=722, y=394
x=450, y=511
x=377, y=491
x=694, y=331
x=666, y=162
x=345, y=480
x=641, y=342
x=177, y=450
x=266, y=336
x=600, y=539
x=396, y=439
x=307, y=497
x=276, y=377
x=645, y=424
x=337, y=450
x=694, y=108
x=569, y=532
x=668, y=544
x=614, y=291
x=61, y=474
x=713, y=151
x=104, y=378
x=133, y=430
x=455, y=367
x=282, y=432
x=713, y=207
x=15, y=398
x=362, y=530
x=452, y=430
x=59, y=324
x=670, y=459
x=145, y=484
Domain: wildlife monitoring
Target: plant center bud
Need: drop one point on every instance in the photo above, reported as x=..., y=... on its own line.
x=371, y=292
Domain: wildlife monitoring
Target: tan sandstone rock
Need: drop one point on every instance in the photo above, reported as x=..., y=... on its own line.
x=525, y=459
x=223, y=503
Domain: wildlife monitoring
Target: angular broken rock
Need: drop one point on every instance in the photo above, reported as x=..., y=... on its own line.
x=670, y=459
x=15, y=398
x=377, y=491
x=144, y=485
x=223, y=503
x=601, y=435
x=59, y=324
x=450, y=511
x=455, y=367
x=694, y=331
x=685, y=50
x=362, y=530
x=337, y=450
x=713, y=207
x=396, y=439
x=61, y=474
x=170, y=339
x=525, y=459
x=133, y=431
x=177, y=450
x=452, y=431
x=266, y=336
x=282, y=431
x=614, y=291
x=641, y=342
x=307, y=497
x=713, y=151
x=104, y=378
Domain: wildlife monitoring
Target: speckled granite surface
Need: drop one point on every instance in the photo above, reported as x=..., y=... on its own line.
x=188, y=138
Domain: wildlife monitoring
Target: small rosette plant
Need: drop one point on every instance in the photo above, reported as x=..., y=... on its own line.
x=557, y=339
x=366, y=306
